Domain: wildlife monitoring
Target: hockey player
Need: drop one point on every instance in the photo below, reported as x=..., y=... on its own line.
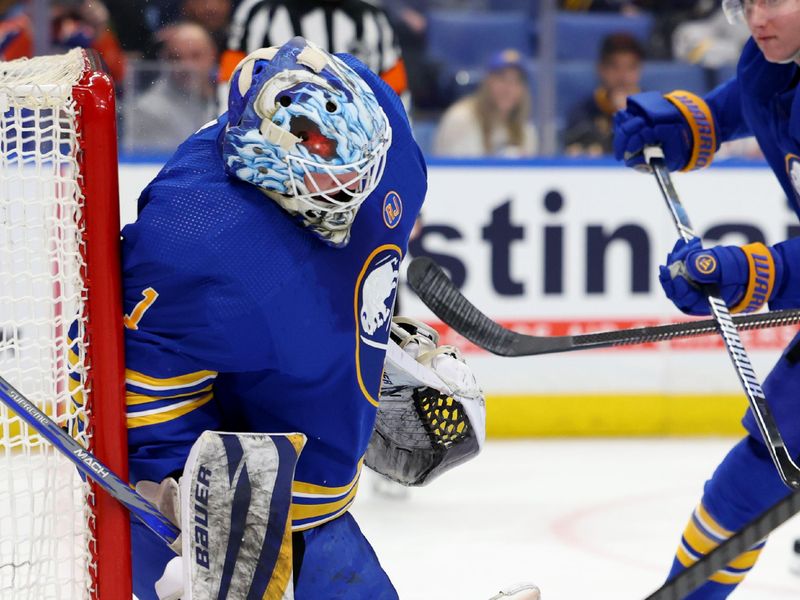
x=259, y=280
x=762, y=100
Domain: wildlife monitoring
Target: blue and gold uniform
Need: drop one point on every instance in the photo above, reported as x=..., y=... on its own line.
x=239, y=319
x=762, y=100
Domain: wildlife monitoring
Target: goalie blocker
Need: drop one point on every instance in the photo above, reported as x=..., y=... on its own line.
x=432, y=415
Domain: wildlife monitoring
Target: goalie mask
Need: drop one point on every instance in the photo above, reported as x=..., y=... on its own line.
x=309, y=132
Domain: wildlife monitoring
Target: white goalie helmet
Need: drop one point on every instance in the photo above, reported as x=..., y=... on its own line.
x=307, y=130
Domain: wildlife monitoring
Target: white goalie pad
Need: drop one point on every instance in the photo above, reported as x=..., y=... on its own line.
x=233, y=506
x=431, y=415
x=236, y=494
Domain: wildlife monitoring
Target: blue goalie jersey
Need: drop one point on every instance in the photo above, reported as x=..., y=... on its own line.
x=239, y=319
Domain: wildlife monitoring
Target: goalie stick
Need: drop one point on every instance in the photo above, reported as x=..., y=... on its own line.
x=693, y=577
x=440, y=294
x=88, y=464
x=787, y=468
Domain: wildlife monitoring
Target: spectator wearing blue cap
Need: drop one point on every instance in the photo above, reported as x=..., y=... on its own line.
x=495, y=119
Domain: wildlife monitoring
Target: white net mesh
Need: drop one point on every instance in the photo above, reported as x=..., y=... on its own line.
x=44, y=514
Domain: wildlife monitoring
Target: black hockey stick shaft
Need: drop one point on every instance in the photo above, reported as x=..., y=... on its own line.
x=787, y=468
x=685, y=582
x=440, y=294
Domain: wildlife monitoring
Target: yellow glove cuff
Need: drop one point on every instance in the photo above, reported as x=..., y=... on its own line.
x=704, y=135
x=762, y=278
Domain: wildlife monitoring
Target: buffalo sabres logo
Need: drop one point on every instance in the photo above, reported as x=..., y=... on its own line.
x=392, y=209
x=705, y=264
x=374, y=300
x=793, y=170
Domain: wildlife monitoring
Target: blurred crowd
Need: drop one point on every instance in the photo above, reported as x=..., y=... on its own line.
x=468, y=70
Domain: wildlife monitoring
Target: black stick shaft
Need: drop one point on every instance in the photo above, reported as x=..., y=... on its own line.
x=438, y=293
x=693, y=577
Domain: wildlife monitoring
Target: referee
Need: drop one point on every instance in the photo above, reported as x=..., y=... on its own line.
x=357, y=27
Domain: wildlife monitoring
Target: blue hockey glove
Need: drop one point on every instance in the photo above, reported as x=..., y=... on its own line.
x=743, y=276
x=680, y=122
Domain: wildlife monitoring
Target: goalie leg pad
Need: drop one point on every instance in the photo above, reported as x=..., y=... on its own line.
x=235, y=515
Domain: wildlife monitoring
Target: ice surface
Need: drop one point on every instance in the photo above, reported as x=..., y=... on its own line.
x=583, y=519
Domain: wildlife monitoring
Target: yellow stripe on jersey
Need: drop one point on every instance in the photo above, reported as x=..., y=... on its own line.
x=141, y=380
x=314, y=514
x=133, y=399
x=166, y=413
x=300, y=488
x=309, y=511
x=322, y=519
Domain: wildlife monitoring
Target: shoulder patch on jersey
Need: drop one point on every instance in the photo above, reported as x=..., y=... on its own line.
x=793, y=170
x=375, y=292
x=392, y=209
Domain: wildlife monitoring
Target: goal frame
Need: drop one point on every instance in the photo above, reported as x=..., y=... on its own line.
x=83, y=250
x=99, y=181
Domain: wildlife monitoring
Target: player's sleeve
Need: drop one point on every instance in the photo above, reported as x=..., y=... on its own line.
x=726, y=107
x=787, y=290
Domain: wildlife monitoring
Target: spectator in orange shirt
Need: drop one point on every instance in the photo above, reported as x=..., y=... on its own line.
x=16, y=31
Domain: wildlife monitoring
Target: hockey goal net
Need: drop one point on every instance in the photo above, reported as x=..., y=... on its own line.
x=60, y=329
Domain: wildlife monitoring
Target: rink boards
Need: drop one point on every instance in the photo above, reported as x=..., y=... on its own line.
x=555, y=248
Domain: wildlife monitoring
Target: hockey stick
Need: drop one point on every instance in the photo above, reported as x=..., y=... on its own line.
x=440, y=294
x=788, y=470
x=88, y=464
x=697, y=574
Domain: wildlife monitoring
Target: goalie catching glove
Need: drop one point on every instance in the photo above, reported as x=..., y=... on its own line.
x=432, y=415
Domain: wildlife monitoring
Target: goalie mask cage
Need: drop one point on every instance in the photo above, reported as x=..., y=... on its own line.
x=61, y=338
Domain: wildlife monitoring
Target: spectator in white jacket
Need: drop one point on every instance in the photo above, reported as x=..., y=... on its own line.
x=494, y=121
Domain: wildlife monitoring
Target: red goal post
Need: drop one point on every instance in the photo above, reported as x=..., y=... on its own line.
x=61, y=334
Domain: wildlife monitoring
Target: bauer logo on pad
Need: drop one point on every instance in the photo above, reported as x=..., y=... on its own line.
x=392, y=209
x=706, y=264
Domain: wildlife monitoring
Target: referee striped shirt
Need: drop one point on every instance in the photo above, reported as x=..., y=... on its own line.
x=357, y=27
